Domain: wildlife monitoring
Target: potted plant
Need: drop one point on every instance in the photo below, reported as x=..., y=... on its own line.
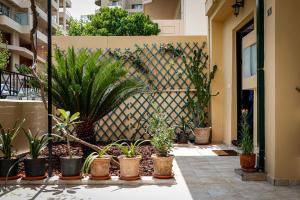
x=98, y=164
x=35, y=166
x=247, y=157
x=162, y=140
x=201, y=77
x=70, y=165
x=8, y=164
x=130, y=160
x=183, y=132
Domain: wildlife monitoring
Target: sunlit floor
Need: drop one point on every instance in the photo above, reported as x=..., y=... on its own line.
x=202, y=176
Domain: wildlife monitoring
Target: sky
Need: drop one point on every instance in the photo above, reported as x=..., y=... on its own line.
x=82, y=7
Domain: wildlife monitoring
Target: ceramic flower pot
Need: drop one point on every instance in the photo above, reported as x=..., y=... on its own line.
x=6, y=164
x=202, y=135
x=35, y=167
x=162, y=166
x=100, y=167
x=247, y=162
x=129, y=167
x=70, y=167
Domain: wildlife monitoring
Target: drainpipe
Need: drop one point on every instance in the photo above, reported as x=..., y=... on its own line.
x=260, y=84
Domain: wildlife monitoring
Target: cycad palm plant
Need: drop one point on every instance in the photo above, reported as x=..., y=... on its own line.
x=91, y=84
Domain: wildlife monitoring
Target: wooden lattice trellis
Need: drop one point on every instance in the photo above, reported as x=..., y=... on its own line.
x=168, y=86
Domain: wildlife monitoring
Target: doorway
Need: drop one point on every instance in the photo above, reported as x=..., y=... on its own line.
x=245, y=97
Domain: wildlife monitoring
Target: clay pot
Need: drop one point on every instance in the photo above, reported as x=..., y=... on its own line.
x=100, y=166
x=162, y=166
x=129, y=167
x=247, y=162
x=202, y=135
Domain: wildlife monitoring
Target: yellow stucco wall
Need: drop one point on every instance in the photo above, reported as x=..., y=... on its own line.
x=287, y=99
x=282, y=71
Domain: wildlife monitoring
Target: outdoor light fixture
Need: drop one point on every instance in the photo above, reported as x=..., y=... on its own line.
x=236, y=7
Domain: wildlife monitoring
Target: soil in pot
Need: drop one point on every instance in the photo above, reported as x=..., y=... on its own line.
x=202, y=135
x=100, y=167
x=163, y=166
x=247, y=162
x=70, y=167
x=5, y=165
x=129, y=167
x=35, y=167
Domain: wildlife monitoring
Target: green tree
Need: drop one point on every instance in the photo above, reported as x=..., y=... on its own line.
x=114, y=22
x=4, y=53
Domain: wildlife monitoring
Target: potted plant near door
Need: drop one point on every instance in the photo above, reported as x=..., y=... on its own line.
x=130, y=160
x=70, y=165
x=98, y=164
x=201, y=77
x=8, y=164
x=162, y=140
x=247, y=158
x=35, y=166
x=183, y=132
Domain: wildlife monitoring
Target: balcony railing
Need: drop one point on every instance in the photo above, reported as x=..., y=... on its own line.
x=18, y=86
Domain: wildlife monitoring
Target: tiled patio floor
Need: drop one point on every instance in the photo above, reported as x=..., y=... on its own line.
x=205, y=177
x=210, y=177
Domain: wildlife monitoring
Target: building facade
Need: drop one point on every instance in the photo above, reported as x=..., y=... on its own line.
x=256, y=48
x=16, y=23
x=174, y=17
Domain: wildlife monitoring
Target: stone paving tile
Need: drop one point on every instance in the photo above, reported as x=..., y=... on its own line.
x=217, y=180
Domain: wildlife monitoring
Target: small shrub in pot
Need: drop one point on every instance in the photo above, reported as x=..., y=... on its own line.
x=162, y=140
x=201, y=75
x=70, y=165
x=130, y=160
x=98, y=164
x=35, y=166
x=247, y=158
x=8, y=163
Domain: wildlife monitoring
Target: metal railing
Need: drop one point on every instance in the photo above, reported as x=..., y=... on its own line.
x=18, y=86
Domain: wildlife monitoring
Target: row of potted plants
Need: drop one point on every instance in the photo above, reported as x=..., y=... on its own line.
x=97, y=164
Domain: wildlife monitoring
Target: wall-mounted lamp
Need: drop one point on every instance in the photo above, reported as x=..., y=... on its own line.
x=236, y=7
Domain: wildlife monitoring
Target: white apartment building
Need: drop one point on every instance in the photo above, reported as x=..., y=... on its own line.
x=16, y=23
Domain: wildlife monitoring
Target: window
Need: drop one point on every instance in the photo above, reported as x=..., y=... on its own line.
x=4, y=10
x=137, y=6
x=249, y=61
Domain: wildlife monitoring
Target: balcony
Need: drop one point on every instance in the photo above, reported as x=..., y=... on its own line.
x=18, y=86
x=14, y=24
x=24, y=52
x=68, y=3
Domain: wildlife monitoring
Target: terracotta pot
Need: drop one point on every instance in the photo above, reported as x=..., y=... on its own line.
x=247, y=162
x=100, y=166
x=202, y=135
x=162, y=166
x=129, y=167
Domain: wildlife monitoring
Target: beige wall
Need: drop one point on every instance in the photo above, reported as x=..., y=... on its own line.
x=170, y=27
x=95, y=42
x=195, y=21
x=166, y=9
x=287, y=99
x=34, y=113
x=282, y=107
